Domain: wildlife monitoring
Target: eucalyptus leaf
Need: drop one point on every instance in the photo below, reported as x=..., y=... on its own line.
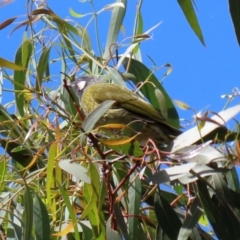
x=166, y=216
x=116, y=77
x=120, y=221
x=22, y=58
x=162, y=103
x=111, y=233
x=193, y=135
x=188, y=10
x=204, y=155
x=95, y=115
x=170, y=173
x=116, y=21
x=40, y=218
x=28, y=216
x=42, y=67
x=202, y=170
x=134, y=195
x=234, y=9
x=75, y=169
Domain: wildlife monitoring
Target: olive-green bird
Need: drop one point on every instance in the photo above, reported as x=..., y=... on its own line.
x=129, y=107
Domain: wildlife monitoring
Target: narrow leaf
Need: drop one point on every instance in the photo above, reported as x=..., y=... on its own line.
x=5, y=63
x=75, y=169
x=50, y=168
x=116, y=20
x=25, y=50
x=42, y=67
x=71, y=211
x=120, y=220
x=212, y=211
x=191, y=220
x=112, y=234
x=188, y=10
x=116, y=76
x=170, y=174
x=192, y=135
x=234, y=8
x=40, y=219
x=166, y=216
x=95, y=115
x=28, y=206
x=134, y=196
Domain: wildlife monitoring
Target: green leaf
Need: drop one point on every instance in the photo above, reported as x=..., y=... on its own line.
x=233, y=179
x=91, y=211
x=28, y=216
x=18, y=149
x=228, y=218
x=115, y=76
x=94, y=116
x=166, y=216
x=138, y=27
x=42, y=67
x=134, y=198
x=116, y=20
x=50, y=169
x=191, y=220
x=192, y=135
x=221, y=187
x=234, y=8
x=120, y=220
x=112, y=234
x=40, y=219
x=188, y=10
x=216, y=212
x=70, y=210
x=162, y=103
x=3, y=171
x=87, y=231
x=75, y=14
x=77, y=170
x=22, y=58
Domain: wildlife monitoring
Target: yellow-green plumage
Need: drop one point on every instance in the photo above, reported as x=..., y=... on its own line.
x=129, y=107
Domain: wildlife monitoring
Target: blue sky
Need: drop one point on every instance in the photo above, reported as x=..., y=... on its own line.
x=200, y=74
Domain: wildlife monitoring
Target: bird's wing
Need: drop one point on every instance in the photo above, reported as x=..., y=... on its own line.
x=126, y=99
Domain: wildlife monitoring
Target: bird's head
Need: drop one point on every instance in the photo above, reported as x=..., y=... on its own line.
x=81, y=84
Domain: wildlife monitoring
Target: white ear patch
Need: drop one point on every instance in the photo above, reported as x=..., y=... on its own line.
x=81, y=85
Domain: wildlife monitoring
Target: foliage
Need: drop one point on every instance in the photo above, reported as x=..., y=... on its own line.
x=54, y=182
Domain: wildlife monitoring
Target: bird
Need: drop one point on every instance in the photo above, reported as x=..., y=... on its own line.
x=128, y=108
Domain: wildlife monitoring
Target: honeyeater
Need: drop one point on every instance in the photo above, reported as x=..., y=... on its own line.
x=128, y=108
